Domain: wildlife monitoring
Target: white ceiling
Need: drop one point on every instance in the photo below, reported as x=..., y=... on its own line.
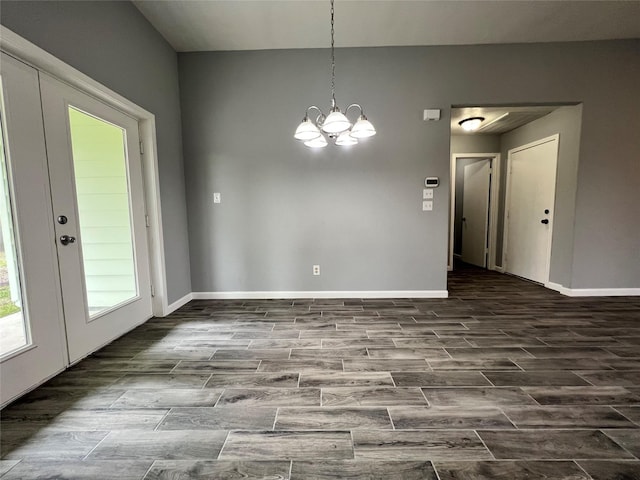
x=497, y=120
x=201, y=25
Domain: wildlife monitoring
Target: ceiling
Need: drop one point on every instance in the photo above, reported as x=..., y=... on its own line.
x=497, y=120
x=202, y=25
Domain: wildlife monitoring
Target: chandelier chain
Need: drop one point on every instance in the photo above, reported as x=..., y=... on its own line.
x=333, y=61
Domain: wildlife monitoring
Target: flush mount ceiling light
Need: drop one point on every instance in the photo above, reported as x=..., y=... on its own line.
x=470, y=124
x=336, y=125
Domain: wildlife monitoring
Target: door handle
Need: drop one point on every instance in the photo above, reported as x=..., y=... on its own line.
x=545, y=221
x=66, y=239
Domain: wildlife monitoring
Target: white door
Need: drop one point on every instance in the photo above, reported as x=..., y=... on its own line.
x=98, y=203
x=31, y=330
x=475, y=212
x=530, y=204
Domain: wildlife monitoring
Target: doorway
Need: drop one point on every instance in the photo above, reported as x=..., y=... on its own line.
x=474, y=208
x=74, y=226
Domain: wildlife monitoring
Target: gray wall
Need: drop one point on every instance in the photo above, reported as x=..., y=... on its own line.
x=475, y=143
x=357, y=212
x=567, y=122
x=114, y=44
x=467, y=144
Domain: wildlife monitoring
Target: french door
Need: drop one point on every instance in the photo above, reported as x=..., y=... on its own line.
x=73, y=227
x=32, y=344
x=99, y=216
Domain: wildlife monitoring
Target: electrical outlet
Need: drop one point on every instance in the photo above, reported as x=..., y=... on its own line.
x=316, y=269
x=427, y=193
x=217, y=198
x=427, y=205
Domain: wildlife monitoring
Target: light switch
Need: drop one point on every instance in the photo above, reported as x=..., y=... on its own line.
x=427, y=193
x=217, y=198
x=427, y=205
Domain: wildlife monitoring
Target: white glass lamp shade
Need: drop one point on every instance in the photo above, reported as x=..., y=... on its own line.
x=318, y=142
x=345, y=139
x=363, y=128
x=307, y=131
x=471, y=124
x=336, y=122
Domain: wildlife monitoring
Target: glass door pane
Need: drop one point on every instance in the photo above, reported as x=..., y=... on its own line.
x=14, y=331
x=104, y=211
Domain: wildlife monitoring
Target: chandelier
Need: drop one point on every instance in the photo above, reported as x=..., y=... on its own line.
x=336, y=125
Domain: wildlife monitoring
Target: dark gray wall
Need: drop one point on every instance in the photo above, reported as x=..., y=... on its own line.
x=565, y=121
x=357, y=212
x=467, y=144
x=114, y=44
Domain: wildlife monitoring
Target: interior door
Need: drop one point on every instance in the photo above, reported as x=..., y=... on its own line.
x=532, y=183
x=475, y=212
x=98, y=203
x=31, y=329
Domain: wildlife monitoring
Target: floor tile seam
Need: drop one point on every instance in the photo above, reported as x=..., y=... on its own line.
x=484, y=444
x=501, y=408
x=224, y=444
x=204, y=385
x=155, y=429
x=148, y=470
x=576, y=373
x=617, y=410
x=275, y=419
x=602, y=430
x=20, y=460
x=487, y=378
x=517, y=365
x=96, y=445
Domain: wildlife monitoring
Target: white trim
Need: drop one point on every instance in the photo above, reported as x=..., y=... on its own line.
x=269, y=295
x=179, y=303
x=594, y=292
x=494, y=159
x=507, y=199
x=499, y=269
x=27, y=52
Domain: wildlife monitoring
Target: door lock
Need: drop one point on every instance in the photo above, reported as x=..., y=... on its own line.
x=62, y=220
x=545, y=221
x=66, y=239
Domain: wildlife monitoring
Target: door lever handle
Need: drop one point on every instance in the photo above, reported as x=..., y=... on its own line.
x=545, y=221
x=66, y=239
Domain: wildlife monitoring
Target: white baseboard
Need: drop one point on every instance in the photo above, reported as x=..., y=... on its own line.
x=269, y=295
x=179, y=303
x=594, y=292
x=498, y=269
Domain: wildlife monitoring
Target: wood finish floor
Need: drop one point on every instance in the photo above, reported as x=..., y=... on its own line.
x=503, y=380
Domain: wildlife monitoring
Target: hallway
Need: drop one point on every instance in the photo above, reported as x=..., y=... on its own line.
x=504, y=379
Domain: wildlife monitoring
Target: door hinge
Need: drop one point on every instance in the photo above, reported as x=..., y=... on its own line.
x=153, y=290
x=141, y=148
x=147, y=222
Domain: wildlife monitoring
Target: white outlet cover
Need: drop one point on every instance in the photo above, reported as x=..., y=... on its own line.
x=217, y=198
x=427, y=193
x=427, y=205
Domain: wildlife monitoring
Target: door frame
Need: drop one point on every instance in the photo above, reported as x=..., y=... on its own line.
x=25, y=51
x=494, y=159
x=507, y=201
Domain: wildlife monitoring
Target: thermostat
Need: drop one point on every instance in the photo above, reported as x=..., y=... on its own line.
x=431, y=182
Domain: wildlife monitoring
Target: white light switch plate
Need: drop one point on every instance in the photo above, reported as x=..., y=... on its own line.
x=217, y=198
x=427, y=193
x=427, y=205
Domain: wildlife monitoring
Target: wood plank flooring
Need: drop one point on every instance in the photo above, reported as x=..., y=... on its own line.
x=503, y=380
